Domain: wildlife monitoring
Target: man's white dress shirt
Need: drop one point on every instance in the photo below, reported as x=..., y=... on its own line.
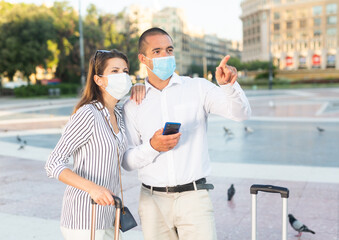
x=188, y=101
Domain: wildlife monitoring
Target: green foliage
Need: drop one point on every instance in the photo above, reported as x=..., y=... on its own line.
x=249, y=66
x=196, y=69
x=256, y=65
x=264, y=75
x=126, y=41
x=235, y=62
x=23, y=39
x=93, y=33
x=31, y=91
x=42, y=90
x=34, y=36
x=67, y=88
x=67, y=38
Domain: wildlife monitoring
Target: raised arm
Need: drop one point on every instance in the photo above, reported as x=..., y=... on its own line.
x=227, y=99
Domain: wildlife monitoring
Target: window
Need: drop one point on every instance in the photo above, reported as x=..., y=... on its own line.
x=276, y=27
x=317, y=33
x=331, y=31
x=289, y=25
x=331, y=20
x=289, y=14
x=289, y=35
x=317, y=10
x=303, y=13
x=276, y=16
x=304, y=35
x=277, y=1
x=317, y=21
x=303, y=23
x=331, y=60
x=331, y=8
x=276, y=36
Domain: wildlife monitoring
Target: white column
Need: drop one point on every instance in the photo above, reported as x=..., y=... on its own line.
x=323, y=60
x=309, y=59
x=283, y=60
x=296, y=60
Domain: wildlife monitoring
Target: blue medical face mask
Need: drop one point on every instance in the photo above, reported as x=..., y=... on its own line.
x=163, y=67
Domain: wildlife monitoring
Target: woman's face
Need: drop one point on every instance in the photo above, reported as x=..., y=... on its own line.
x=114, y=66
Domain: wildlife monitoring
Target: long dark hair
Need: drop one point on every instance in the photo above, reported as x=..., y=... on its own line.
x=97, y=65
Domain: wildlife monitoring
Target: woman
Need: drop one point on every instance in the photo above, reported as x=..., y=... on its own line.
x=95, y=136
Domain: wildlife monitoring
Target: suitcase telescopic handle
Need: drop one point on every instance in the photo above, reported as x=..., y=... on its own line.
x=117, y=202
x=255, y=188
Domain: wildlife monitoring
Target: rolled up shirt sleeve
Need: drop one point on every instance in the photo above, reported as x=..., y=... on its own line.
x=77, y=132
x=228, y=101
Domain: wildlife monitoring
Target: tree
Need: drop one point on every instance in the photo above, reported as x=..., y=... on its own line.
x=125, y=40
x=196, y=69
x=23, y=39
x=256, y=65
x=67, y=40
x=93, y=33
x=235, y=62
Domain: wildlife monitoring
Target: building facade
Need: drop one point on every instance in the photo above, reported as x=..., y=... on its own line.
x=295, y=34
x=191, y=49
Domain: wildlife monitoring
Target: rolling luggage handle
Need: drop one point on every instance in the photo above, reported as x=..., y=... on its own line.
x=118, y=206
x=284, y=193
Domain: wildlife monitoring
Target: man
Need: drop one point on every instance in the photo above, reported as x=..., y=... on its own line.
x=174, y=199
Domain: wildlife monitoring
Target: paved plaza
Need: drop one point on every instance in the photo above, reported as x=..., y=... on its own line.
x=291, y=141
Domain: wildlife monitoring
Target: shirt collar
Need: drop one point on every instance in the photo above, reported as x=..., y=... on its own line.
x=175, y=79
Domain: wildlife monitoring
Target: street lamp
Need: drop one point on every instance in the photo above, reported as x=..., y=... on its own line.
x=204, y=64
x=81, y=40
x=270, y=65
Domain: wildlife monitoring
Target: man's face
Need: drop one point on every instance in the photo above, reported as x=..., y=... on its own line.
x=159, y=46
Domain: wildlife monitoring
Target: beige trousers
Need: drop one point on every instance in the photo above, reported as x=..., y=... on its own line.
x=172, y=216
x=75, y=234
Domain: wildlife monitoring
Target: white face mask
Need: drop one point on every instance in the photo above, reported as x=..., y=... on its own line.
x=118, y=84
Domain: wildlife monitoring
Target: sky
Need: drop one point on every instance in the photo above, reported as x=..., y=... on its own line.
x=219, y=17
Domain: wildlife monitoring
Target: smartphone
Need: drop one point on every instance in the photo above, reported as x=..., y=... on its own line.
x=171, y=128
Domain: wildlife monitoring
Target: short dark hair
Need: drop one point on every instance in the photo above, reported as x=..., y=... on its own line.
x=150, y=32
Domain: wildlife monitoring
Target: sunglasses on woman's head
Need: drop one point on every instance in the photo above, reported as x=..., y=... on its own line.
x=100, y=51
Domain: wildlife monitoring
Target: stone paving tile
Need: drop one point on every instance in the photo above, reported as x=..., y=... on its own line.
x=26, y=191
x=34, y=125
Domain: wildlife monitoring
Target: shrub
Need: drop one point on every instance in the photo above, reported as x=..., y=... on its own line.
x=42, y=90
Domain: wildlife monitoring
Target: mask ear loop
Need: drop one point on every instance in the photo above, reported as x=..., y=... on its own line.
x=146, y=64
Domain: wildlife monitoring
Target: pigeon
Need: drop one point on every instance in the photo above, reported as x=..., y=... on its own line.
x=230, y=192
x=228, y=131
x=248, y=129
x=271, y=104
x=320, y=129
x=298, y=226
x=21, y=147
x=18, y=138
